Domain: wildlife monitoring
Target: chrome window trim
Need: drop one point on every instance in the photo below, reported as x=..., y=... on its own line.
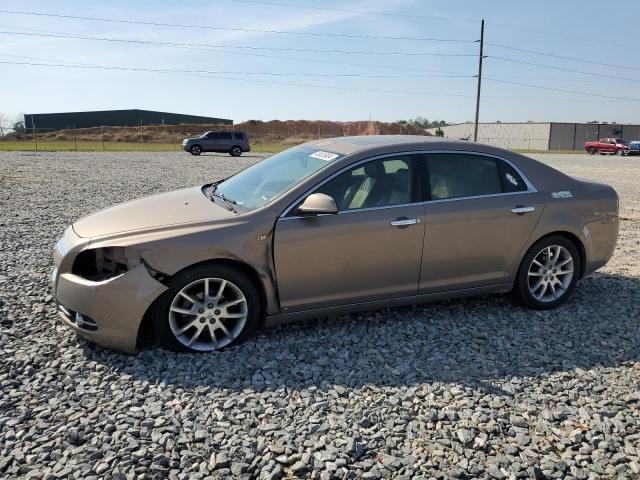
x=530, y=187
x=475, y=197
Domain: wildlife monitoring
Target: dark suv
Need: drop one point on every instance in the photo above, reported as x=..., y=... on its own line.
x=233, y=143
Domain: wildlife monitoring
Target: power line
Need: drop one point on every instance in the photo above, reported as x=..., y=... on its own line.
x=541, y=87
x=347, y=10
x=553, y=67
x=333, y=62
x=226, y=72
x=409, y=15
x=201, y=46
x=575, y=59
x=215, y=75
x=232, y=29
x=596, y=40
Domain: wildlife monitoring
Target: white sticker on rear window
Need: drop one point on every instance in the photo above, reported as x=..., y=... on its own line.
x=512, y=179
x=326, y=156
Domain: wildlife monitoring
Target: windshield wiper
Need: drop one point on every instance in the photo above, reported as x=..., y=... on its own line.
x=228, y=202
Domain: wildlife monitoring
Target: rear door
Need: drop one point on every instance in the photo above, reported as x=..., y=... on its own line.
x=370, y=250
x=480, y=213
x=226, y=142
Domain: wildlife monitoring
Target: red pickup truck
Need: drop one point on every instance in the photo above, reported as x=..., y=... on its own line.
x=613, y=146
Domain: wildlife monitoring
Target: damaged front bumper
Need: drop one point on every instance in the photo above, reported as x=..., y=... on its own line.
x=107, y=312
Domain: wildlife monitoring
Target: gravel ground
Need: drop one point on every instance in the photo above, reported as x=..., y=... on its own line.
x=468, y=388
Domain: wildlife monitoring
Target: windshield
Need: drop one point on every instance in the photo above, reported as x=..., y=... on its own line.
x=258, y=184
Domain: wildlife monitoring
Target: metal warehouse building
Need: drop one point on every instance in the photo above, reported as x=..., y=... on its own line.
x=113, y=118
x=540, y=136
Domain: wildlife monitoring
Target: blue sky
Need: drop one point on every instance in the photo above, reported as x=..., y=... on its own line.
x=389, y=87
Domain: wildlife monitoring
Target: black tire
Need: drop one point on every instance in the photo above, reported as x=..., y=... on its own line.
x=195, y=150
x=619, y=152
x=235, y=151
x=591, y=151
x=521, y=287
x=160, y=311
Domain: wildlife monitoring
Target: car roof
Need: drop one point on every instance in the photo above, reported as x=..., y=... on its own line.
x=349, y=145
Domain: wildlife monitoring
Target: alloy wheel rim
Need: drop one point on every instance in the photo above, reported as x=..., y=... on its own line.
x=236, y=151
x=196, y=149
x=208, y=314
x=550, y=273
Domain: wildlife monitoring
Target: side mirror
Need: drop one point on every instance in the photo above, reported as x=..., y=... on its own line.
x=318, y=204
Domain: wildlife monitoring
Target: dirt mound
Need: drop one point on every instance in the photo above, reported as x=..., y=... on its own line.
x=287, y=131
x=325, y=128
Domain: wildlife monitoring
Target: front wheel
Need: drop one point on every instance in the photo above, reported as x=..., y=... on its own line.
x=548, y=273
x=591, y=151
x=206, y=308
x=196, y=150
x=619, y=152
x=235, y=151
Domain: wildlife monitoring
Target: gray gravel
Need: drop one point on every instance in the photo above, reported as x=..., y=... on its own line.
x=469, y=388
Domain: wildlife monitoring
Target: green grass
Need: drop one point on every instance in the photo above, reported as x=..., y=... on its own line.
x=97, y=146
x=85, y=146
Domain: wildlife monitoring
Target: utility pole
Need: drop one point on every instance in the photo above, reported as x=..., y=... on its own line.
x=475, y=129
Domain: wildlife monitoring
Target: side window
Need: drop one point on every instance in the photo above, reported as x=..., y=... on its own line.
x=214, y=136
x=225, y=135
x=455, y=175
x=378, y=183
x=238, y=136
x=511, y=179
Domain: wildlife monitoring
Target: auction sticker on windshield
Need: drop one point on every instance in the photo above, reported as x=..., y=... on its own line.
x=326, y=156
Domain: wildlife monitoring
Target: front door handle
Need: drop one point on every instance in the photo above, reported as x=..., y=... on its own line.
x=404, y=222
x=521, y=209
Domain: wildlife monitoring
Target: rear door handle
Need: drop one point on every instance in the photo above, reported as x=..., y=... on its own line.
x=521, y=209
x=404, y=222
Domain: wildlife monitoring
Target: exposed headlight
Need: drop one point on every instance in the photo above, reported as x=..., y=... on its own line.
x=60, y=247
x=99, y=264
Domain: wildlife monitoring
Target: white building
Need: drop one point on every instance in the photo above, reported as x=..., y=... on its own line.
x=540, y=136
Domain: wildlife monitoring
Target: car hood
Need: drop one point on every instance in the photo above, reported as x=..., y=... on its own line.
x=173, y=208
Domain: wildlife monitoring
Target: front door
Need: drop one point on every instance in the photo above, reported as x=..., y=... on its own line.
x=210, y=144
x=370, y=250
x=480, y=215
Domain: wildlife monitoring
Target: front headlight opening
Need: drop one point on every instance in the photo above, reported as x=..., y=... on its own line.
x=103, y=263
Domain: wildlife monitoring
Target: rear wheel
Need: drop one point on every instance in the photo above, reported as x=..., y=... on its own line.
x=196, y=150
x=548, y=273
x=206, y=308
x=235, y=151
x=591, y=150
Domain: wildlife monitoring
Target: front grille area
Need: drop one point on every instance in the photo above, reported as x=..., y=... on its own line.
x=81, y=321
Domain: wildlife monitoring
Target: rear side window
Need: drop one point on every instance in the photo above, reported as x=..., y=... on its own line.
x=225, y=135
x=238, y=136
x=455, y=175
x=512, y=181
